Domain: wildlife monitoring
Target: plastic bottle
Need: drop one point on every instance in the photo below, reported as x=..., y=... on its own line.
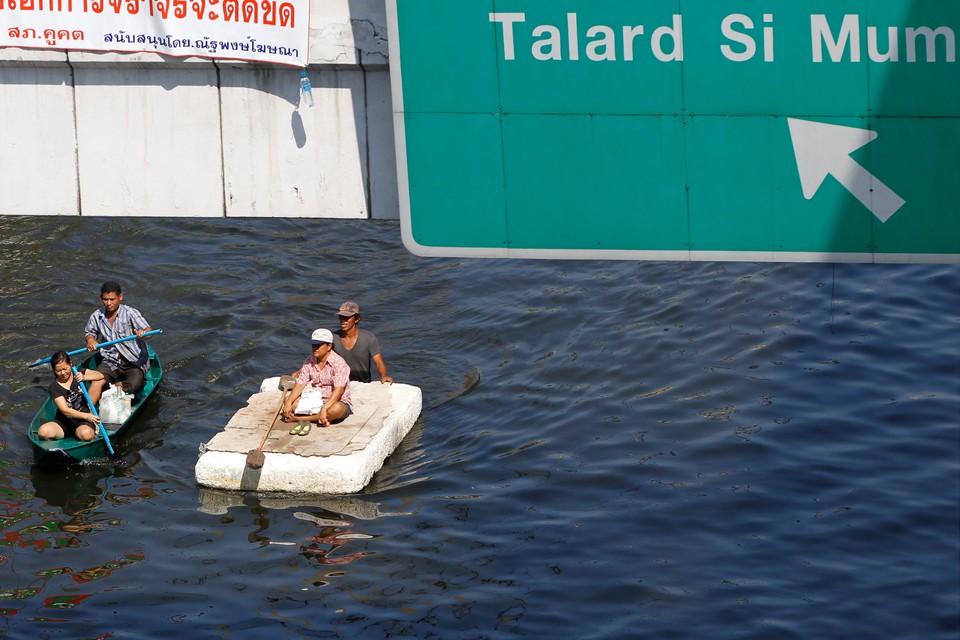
x=306, y=88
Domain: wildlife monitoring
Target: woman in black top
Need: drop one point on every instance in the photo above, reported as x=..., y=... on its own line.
x=74, y=417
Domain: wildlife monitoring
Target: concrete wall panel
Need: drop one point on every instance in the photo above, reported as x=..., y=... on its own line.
x=348, y=32
x=285, y=158
x=149, y=140
x=38, y=146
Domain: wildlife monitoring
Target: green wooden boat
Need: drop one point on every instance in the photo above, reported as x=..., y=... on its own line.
x=70, y=450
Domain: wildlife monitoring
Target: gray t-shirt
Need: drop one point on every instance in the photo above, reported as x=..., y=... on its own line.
x=359, y=358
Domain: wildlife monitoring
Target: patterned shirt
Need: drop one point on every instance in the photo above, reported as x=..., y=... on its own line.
x=74, y=397
x=126, y=322
x=334, y=373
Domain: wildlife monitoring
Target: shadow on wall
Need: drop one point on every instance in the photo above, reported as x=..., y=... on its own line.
x=368, y=22
x=296, y=126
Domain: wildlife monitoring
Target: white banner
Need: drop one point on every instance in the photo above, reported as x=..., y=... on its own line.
x=256, y=30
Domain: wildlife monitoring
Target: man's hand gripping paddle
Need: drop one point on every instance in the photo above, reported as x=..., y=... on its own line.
x=99, y=346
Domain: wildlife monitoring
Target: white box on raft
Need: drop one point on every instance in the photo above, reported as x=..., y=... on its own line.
x=338, y=459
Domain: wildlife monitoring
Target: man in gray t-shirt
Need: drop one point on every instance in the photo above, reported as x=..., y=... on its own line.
x=358, y=346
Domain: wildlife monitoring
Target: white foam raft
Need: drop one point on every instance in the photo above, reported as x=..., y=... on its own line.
x=338, y=459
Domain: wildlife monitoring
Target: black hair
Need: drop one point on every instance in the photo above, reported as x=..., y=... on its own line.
x=111, y=287
x=58, y=357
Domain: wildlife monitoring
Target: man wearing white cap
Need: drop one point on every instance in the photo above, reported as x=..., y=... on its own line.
x=328, y=373
x=358, y=346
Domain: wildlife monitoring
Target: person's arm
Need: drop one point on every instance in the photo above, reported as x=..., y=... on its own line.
x=139, y=324
x=88, y=374
x=70, y=412
x=382, y=369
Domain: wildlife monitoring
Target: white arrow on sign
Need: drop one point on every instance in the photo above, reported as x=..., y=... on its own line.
x=824, y=149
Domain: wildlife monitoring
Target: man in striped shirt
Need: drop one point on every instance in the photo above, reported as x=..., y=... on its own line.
x=124, y=363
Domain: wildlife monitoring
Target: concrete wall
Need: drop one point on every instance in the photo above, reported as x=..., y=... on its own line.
x=148, y=135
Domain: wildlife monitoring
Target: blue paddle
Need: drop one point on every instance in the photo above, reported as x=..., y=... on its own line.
x=99, y=346
x=93, y=410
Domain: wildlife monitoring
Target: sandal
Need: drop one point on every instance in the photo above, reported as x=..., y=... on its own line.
x=300, y=429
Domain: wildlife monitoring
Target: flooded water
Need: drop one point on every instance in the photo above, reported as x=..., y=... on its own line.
x=607, y=449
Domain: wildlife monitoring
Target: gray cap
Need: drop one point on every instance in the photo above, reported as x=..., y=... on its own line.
x=349, y=309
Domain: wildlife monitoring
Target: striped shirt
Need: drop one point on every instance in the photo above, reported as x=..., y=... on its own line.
x=126, y=322
x=334, y=373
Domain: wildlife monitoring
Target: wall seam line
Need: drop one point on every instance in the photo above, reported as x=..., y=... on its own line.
x=223, y=162
x=76, y=134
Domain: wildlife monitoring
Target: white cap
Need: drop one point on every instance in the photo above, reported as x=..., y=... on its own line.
x=322, y=335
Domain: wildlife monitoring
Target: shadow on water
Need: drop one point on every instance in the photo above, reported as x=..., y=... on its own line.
x=336, y=519
x=333, y=516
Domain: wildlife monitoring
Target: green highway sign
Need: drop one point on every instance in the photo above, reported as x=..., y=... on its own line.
x=772, y=130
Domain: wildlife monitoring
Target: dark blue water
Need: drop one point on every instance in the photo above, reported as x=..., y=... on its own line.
x=607, y=449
